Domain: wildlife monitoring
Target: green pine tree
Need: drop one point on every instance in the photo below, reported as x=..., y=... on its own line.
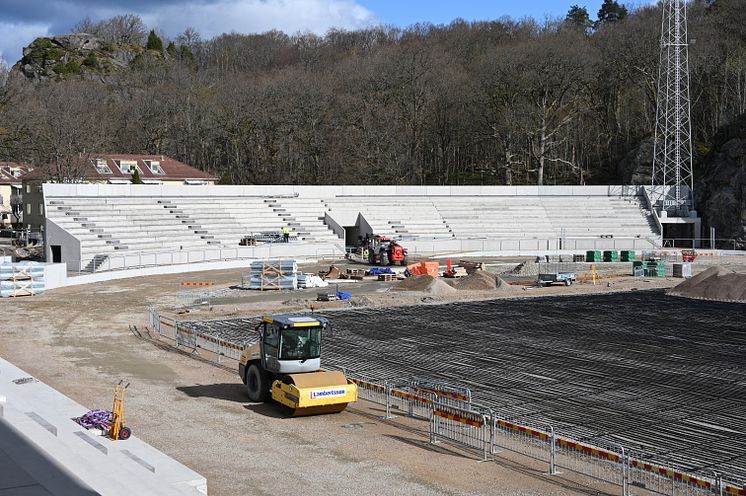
x=171, y=49
x=578, y=18
x=186, y=54
x=611, y=11
x=136, y=177
x=154, y=42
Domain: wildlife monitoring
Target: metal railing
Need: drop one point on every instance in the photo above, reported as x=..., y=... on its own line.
x=141, y=260
x=705, y=243
x=184, y=337
x=528, y=246
x=454, y=418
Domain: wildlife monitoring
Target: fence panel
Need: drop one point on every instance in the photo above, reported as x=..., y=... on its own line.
x=605, y=464
x=218, y=346
x=532, y=441
x=448, y=394
x=409, y=402
x=656, y=479
x=469, y=429
x=367, y=389
x=185, y=337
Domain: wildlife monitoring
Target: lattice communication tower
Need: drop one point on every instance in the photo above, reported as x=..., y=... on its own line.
x=672, y=179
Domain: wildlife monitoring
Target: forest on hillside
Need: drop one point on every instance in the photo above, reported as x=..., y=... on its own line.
x=568, y=101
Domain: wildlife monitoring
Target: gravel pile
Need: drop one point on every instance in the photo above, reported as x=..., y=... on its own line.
x=527, y=268
x=716, y=283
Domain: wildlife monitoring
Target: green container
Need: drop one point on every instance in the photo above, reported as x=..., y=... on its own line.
x=611, y=256
x=593, y=256
x=627, y=256
x=654, y=271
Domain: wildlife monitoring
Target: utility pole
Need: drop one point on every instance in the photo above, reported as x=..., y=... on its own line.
x=672, y=178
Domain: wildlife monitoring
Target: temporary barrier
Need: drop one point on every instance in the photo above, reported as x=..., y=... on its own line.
x=531, y=441
x=603, y=463
x=467, y=428
x=449, y=394
x=408, y=401
x=218, y=346
x=185, y=337
x=668, y=480
x=367, y=389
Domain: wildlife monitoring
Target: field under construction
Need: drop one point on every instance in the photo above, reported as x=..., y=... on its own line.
x=663, y=376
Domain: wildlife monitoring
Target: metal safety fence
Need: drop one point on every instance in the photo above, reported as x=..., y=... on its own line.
x=453, y=417
x=183, y=336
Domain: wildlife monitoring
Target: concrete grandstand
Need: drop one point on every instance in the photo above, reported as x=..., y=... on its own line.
x=102, y=227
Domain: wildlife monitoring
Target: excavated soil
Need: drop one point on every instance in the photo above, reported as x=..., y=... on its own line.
x=715, y=283
x=426, y=284
x=482, y=281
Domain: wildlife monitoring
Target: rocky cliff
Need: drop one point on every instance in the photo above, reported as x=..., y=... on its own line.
x=721, y=184
x=77, y=54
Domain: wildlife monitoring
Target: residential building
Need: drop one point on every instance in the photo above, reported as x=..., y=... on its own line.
x=110, y=169
x=11, y=175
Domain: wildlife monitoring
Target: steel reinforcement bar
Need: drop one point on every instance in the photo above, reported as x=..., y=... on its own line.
x=451, y=414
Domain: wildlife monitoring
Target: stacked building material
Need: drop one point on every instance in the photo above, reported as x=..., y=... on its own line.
x=273, y=274
x=611, y=256
x=21, y=279
x=627, y=256
x=649, y=268
x=593, y=256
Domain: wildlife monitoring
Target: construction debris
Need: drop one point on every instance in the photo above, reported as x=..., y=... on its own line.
x=311, y=281
x=332, y=273
x=470, y=267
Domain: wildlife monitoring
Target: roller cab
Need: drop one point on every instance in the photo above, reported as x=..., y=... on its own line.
x=285, y=365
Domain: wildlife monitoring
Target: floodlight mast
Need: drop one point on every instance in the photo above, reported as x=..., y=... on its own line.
x=672, y=178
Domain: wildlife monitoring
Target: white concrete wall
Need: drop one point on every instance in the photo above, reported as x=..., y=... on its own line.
x=55, y=275
x=55, y=235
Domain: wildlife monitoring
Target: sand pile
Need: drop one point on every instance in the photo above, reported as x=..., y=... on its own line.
x=715, y=283
x=426, y=284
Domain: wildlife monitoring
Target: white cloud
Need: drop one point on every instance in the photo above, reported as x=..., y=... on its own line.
x=16, y=36
x=252, y=16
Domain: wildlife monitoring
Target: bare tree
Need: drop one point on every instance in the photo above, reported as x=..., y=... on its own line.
x=127, y=28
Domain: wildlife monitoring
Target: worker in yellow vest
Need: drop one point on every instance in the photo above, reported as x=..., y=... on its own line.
x=285, y=234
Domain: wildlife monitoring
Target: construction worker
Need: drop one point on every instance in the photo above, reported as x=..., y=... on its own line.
x=285, y=234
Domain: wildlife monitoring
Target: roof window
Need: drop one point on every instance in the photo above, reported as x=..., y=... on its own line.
x=101, y=166
x=127, y=166
x=155, y=167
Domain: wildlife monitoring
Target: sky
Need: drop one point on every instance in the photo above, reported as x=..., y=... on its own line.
x=21, y=21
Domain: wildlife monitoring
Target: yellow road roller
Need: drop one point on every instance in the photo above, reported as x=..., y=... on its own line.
x=285, y=365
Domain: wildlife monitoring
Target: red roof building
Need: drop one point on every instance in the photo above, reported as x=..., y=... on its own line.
x=119, y=168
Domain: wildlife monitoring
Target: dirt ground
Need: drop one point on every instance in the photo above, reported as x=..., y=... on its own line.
x=78, y=341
